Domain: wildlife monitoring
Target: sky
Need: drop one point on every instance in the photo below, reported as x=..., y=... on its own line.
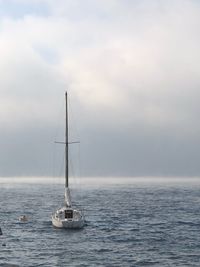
x=132, y=72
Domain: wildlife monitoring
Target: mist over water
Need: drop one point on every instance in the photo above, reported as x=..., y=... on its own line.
x=102, y=181
x=127, y=225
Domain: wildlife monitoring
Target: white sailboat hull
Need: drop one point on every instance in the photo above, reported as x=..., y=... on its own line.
x=76, y=221
x=67, y=224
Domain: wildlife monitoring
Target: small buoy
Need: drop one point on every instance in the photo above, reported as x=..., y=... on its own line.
x=23, y=218
x=4, y=245
x=1, y=231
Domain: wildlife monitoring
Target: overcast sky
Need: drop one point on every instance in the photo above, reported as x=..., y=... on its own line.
x=132, y=71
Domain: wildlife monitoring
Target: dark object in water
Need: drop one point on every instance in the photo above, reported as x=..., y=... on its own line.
x=1, y=231
x=4, y=245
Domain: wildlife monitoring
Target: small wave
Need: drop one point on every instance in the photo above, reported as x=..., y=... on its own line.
x=102, y=250
x=146, y=263
x=9, y=265
x=189, y=223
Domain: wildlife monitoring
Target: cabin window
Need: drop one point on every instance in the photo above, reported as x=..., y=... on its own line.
x=68, y=214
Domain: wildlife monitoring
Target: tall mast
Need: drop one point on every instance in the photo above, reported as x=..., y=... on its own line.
x=66, y=145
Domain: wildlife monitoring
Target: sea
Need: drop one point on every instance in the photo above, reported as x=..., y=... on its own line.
x=144, y=224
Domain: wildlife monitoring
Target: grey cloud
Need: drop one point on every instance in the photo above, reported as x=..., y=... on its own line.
x=132, y=72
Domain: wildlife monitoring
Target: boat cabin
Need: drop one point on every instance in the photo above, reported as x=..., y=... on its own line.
x=68, y=214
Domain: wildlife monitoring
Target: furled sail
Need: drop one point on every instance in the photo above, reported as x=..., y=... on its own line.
x=67, y=197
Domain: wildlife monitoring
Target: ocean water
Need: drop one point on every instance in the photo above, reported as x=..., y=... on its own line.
x=127, y=225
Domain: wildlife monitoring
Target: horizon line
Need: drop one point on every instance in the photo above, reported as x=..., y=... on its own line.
x=100, y=180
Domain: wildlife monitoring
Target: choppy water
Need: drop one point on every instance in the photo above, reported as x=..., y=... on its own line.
x=126, y=226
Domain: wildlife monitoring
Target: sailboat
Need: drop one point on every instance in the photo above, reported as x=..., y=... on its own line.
x=67, y=216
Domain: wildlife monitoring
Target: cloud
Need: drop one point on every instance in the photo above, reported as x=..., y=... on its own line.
x=132, y=71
